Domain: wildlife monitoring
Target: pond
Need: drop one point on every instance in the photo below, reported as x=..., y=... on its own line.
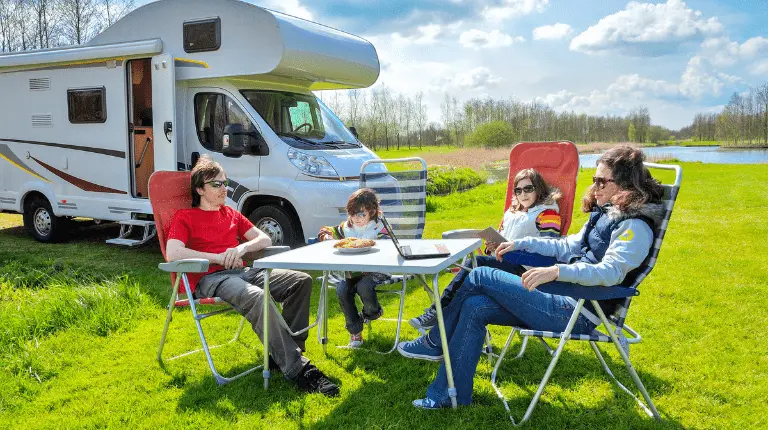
x=705, y=154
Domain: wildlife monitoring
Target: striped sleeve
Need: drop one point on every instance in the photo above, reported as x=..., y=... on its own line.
x=335, y=232
x=548, y=223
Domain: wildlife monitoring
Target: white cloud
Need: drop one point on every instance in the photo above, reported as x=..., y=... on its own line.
x=426, y=35
x=647, y=29
x=760, y=68
x=722, y=52
x=477, y=78
x=289, y=7
x=479, y=39
x=699, y=79
x=552, y=32
x=513, y=8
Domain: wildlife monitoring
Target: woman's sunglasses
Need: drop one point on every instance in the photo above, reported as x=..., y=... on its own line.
x=528, y=189
x=218, y=184
x=600, y=183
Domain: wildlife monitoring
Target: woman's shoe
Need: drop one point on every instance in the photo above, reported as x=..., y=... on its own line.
x=426, y=403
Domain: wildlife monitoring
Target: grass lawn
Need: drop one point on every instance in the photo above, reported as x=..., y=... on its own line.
x=80, y=323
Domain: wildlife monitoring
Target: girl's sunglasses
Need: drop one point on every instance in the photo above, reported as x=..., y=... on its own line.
x=528, y=189
x=600, y=183
x=218, y=184
x=359, y=215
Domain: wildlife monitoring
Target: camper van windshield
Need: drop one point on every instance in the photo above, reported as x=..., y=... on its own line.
x=300, y=119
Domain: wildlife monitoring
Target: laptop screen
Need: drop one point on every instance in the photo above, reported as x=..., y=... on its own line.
x=391, y=232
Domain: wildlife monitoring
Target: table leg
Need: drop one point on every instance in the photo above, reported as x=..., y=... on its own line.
x=444, y=340
x=325, y=313
x=265, y=336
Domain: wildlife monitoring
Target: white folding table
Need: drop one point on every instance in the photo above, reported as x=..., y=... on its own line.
x=382, y=258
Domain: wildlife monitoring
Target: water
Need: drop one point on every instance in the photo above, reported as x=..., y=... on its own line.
x=705, y=154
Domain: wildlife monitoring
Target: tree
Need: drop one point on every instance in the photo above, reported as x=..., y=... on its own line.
x=495, y=134
x=632, y=133
x=79, y=20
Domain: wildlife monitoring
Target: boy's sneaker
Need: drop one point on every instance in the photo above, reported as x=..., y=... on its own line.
x=420, y=349
x=425, y=321
x=426, y=403
x=355, y=340
x=312, y=380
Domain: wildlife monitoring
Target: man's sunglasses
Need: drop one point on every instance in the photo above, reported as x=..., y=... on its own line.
x=528, y=190
x=601, y=182
x=218, y=184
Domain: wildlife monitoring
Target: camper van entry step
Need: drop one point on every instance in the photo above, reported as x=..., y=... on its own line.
x=140, y=222
x=125, y=242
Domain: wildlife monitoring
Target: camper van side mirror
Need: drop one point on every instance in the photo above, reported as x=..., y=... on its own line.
x=353, y=130
x=233, y=140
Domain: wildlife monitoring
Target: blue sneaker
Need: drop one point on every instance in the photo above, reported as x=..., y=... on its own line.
x=426, y=403
x=420, y=349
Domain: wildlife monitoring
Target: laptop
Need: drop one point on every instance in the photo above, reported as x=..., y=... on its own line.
x=421, y=252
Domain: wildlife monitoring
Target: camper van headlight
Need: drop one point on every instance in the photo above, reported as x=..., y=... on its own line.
x=311, y=164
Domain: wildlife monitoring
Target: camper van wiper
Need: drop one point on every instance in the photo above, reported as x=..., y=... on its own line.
x=299, y=138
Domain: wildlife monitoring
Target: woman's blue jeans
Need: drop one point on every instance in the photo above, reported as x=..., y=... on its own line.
x=492, y=296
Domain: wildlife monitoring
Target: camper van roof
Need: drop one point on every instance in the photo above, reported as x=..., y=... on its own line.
x=255, y=43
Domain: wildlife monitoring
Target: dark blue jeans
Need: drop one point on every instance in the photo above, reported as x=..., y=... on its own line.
x=492, y=296
x=506, y=265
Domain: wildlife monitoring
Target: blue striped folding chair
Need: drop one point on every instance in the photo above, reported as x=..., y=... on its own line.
x=614, y=327
x=403, y=195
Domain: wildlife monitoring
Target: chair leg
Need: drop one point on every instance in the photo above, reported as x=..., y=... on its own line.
x=168, y=318
x=650, y=409
x=523, y=346
x=563, y=339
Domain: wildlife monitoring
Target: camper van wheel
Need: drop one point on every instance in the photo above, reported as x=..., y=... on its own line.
x=277, y=223
x=41, y=222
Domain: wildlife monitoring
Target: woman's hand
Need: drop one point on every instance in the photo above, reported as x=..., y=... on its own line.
x=490, y=247
x=232, y=258
x=539, y=275
x=503, y=248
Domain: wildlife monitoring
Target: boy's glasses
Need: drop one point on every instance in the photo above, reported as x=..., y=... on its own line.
x=360, y=215
x=528, y=189
x=600, y=183
x=218, y=184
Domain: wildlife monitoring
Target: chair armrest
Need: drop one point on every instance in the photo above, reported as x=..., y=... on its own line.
x=464, y=233
x=190, y=265
x=588, y=293
x=266, y=252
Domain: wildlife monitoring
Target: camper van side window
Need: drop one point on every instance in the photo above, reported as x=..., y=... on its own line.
x=202, y=35
x=212, y=113
x=87, y=105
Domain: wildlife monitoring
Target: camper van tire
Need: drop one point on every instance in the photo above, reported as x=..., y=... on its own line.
x=278, y=223
x=42, y=223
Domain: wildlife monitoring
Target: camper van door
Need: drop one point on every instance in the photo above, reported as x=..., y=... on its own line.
x=164, y=112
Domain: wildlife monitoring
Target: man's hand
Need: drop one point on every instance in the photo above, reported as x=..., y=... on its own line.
x=232, y=258
x=503, y=248
x=539, y=275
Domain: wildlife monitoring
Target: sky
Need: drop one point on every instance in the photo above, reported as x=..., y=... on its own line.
x=599, y=57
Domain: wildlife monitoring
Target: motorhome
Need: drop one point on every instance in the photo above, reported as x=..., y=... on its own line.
x=82, y=128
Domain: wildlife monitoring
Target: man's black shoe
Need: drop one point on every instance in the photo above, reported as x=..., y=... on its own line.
x=312, y=380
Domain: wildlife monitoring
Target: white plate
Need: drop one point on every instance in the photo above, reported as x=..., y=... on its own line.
x=354, y=250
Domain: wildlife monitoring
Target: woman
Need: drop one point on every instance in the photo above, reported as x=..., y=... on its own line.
x=624, y=201
x=533, y=212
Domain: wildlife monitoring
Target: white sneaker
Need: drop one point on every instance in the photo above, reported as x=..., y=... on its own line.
x=425, y=321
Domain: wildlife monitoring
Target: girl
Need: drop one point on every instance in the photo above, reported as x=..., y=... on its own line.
x=362, y=223
x=624, y=203
x=533, y=212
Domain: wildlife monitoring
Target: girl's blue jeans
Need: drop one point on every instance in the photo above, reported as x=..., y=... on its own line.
x=493, y=296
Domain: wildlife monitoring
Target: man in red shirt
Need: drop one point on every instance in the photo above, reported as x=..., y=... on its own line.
x=213, y=231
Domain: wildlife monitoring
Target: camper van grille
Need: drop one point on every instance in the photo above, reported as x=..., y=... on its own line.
x=42, y=120
x=39, y=84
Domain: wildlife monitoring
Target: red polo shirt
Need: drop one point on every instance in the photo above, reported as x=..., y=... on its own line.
x=209, y=231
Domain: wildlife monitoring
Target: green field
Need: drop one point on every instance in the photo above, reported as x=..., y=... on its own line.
x=80, y=323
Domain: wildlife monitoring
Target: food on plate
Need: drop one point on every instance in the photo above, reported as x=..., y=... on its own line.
x=352, y=242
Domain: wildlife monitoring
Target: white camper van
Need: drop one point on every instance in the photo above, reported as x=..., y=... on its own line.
x=82, y=128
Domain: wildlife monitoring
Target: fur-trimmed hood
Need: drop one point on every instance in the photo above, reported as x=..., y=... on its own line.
x=654, y=211
x=553, y=197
